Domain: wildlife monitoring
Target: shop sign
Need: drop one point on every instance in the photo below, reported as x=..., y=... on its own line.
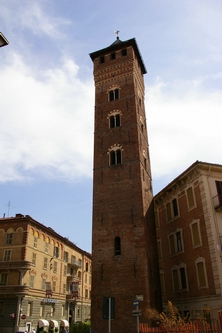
x=49, y=300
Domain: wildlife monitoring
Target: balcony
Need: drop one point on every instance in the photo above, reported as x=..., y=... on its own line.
x=14, y=290
x=26, y=265
x=70, y=298
x=217, y=202
x=75, y=264
x=72, y=278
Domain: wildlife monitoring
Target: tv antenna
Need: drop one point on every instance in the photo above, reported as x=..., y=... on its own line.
x=9, y=206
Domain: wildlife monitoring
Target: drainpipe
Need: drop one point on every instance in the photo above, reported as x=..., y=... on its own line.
x=18, y=314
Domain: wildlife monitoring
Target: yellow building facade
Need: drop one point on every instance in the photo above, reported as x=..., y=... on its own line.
x=45, y=279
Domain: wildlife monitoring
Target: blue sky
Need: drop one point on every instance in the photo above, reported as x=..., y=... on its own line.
x=47, y=98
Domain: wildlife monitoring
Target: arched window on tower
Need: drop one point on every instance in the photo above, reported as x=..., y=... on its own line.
x=113, y=94
x=115, y=155
x=117, y=246
x=118, y=156
x=112, y=157
x=114, y=120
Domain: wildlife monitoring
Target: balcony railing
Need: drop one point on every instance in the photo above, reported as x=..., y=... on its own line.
x=14, y=290
x=72, y=278
x=16, y=265
x=75, y=263
x=217, y=202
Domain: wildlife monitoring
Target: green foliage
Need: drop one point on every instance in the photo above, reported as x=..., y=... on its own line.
x=80, y=327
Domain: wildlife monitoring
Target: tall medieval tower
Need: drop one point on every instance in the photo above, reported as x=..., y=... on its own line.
x=124, y=255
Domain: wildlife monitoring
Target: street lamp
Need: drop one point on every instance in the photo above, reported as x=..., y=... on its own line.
x=3, y=40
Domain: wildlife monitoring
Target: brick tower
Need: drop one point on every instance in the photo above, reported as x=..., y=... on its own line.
x=124, y=254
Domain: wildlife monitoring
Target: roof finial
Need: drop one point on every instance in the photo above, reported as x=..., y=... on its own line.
x=116, y=32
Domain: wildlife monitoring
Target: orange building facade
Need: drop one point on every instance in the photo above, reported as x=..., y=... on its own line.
x=189, y=236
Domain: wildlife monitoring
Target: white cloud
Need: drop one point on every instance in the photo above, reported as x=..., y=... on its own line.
x=34, y=17
x=46, y=126
x=183, y=126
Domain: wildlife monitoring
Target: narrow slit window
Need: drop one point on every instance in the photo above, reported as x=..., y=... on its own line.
x=102, y=59
x=113, y=56
x=117, y=246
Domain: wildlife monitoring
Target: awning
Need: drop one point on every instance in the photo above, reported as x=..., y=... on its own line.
x=54, y=323
x=64, y=323
x=43, y=323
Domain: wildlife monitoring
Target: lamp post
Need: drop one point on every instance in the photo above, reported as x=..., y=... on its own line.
x=3, y=40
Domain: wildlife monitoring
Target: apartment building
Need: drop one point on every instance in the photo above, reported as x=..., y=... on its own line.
x=45, y=279
x=189, y=236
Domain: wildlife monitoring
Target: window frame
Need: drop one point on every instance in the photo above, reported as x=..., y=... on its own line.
x=34, y=256
x=172, y=210
x=31, y=281
x=176, y=245
x=35, y=244
x=44, y=283
x=29, y=309
x=65, y=270
x=46, y=247
x=56, y=252
x=45, y=263
x=179, y=278
x=218, y=184
x=3, y=279
x=55, y=267
x=9, y=237
x=66, y=256
x=7, y=255
x=114, y=120
x=114, y=94
x=115, y=156
x=199, y=261
x=190, y=195
x=196, y=223
x=54, y=286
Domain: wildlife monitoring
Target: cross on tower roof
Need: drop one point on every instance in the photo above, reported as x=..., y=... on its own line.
x=116, y=32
